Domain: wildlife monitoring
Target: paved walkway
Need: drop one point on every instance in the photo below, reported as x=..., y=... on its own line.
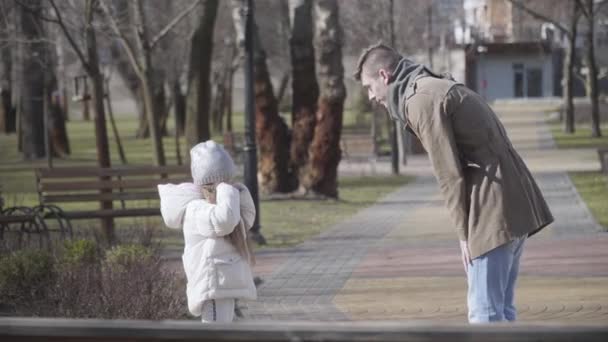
x=399, y=259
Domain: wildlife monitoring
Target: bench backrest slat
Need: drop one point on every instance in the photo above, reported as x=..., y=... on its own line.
x=115, y=196
x=62, y=186
x=63, y=172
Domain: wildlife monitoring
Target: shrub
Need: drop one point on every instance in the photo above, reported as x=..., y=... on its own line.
x=126, y=256
x=25, y=277
x=80, y=252
x=137, y=286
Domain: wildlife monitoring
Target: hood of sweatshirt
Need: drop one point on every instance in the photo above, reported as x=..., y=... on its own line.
x=174, y=199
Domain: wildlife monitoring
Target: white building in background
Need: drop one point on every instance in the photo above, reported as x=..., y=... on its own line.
x=506, y=55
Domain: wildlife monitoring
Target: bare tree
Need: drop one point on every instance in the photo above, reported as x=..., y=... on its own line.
x=35, y=57
x=570, y=32
x=140, y=57
x=589, y=9
x=7, y=107
x=199, y=87
x=271, y=131
x=89, y=59
x=322, y=169
x=305, y=90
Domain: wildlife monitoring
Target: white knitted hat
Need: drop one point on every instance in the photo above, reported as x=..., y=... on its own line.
x=210, y=163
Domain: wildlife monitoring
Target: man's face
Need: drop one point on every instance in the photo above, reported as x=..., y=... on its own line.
x=376, y=87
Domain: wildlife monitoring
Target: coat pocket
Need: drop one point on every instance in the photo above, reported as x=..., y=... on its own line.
x=232, y=272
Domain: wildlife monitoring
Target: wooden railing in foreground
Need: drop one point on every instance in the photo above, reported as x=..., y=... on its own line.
x=32, y=329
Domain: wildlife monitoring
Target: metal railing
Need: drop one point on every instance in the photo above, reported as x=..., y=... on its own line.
x=41, y=329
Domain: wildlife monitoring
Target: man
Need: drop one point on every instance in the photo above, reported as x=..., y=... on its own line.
x=490, y=194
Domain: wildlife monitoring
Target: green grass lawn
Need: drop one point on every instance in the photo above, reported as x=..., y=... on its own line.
x=581, y=137
x=289, y=222
x=592, y=186
x=284, y=222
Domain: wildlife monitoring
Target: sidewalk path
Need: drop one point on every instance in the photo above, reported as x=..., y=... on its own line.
x=399, y=259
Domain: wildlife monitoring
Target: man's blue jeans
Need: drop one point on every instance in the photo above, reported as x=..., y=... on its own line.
x=491, y=280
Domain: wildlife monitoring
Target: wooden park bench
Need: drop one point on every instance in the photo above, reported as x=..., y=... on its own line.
x=358, y=144
x=70, y=193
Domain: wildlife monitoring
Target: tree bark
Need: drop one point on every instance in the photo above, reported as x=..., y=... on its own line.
x=58, y=135
x=148, y=80
x=305, y=90
x=129, y=76
x=567, y=95
x=324, y=154
x=591, y=81
x=101, y=131
x=62, y=81
x=7, y=110
x=86, y=104
x=271, y=130
x=143, y=127
x=34, y=59
x=179, y=103
x=160, y=105
x=199, y=86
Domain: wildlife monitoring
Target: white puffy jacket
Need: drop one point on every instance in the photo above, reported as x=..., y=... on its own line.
x=214, y=269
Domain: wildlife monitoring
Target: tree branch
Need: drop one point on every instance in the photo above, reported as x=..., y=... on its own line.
x=586, y=11
x=123, y=39
x=36, y=13
x=540, y=16
x=61, y=23
x=172, y=24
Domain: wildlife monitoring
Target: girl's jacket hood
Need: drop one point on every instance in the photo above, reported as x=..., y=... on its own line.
x=174, y=199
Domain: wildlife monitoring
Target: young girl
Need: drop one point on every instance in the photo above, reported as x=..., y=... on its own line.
x=214, y=214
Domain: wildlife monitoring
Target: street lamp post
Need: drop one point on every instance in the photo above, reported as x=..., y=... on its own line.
x=482, y=50
x=250, y=149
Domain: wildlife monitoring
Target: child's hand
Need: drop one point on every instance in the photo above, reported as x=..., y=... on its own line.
x=240, y=187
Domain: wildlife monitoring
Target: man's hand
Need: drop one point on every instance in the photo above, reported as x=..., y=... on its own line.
x=466, y=255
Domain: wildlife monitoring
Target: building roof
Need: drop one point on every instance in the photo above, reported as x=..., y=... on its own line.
x=508, y=48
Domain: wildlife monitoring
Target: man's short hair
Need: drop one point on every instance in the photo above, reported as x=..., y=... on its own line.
x=376, y=57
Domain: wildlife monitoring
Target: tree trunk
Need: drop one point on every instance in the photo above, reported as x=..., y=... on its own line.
x=148, y=83
x=129, y=76
x=199, y=87
x=217, y=102
x=86, y=104
x=229, y=90
x=17, y=64
x=324, y=155
x=271, y=130
x=591, y=81
x=34, y=60
x=7, y=110
x=101, y=132
x=62, y=81
x=153, y=119
x=569, y=70
x=143, y=128
x=179, y=103
x=305, y=90
x=283, y=86
x=160, y=106
x=58, y=135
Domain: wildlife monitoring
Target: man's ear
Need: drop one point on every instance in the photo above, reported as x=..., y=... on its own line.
x=384, y=75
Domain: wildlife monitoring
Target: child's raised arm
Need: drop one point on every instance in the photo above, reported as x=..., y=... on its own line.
x=247, y=206
x=213, y=220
